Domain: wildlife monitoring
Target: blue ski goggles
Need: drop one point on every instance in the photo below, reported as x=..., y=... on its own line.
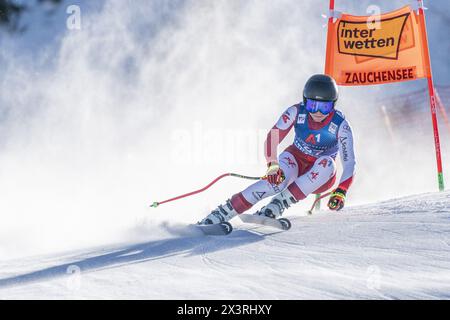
x=313, y=106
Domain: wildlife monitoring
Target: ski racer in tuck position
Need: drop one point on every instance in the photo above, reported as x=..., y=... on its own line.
x=308, y=165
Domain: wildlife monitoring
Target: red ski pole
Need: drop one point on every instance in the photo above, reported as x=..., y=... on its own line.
x=157, y=204
x=317, y=200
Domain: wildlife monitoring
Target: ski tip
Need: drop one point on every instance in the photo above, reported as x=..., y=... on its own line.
x=227, y=227
x=220, y=229
x=285, y=223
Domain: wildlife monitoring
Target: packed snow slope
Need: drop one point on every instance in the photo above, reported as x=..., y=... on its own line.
x=396, y=249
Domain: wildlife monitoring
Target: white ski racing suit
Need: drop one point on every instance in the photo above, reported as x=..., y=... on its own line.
x=309, y=163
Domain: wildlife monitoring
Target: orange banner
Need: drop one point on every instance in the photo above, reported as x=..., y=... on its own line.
x=364, y=50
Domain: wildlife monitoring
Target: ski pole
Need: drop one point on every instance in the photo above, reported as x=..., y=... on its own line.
x=157, y=204
x=317, y=200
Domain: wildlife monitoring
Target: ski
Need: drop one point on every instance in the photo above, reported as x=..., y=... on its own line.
x=282, y=223
x=220, y=229
x=225, y=228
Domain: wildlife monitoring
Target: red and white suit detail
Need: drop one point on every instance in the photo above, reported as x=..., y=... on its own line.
x=305, y=174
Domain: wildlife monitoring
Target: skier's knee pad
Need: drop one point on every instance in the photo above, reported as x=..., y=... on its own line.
x=325, y=164
x=323, y=169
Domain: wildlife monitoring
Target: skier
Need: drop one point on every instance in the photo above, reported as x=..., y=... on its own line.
x=308, y=165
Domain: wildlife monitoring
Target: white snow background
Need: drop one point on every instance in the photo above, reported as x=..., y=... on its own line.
x=152, y=99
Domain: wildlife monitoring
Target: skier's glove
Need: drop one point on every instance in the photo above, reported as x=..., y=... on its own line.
x=337, y=199
x=274, y=173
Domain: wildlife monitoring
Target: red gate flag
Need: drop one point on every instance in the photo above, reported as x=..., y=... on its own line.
x=368, y=50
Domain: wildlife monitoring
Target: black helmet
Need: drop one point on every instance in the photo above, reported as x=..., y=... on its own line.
x=321, y=87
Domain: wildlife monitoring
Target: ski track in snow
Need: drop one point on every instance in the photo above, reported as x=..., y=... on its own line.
x=396, y=249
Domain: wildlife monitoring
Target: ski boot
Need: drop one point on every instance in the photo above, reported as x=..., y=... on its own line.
x=222, y=214
x=277, y=205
